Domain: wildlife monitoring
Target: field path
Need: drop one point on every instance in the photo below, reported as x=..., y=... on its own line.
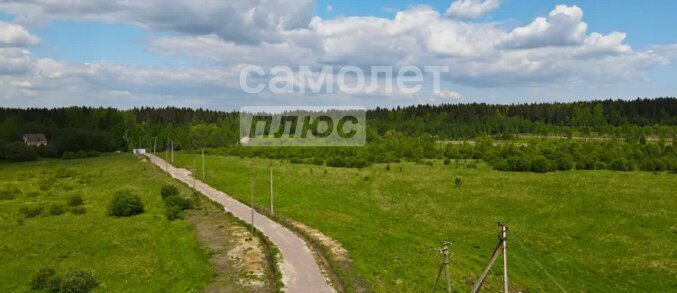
x=300, y=271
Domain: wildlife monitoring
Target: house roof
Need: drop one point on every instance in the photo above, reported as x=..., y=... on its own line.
x=35, y=137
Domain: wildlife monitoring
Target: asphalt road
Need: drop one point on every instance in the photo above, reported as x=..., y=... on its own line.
x=300, y=271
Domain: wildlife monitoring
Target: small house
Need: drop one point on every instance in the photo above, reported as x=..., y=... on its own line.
x=35, y=139
x=139, y=151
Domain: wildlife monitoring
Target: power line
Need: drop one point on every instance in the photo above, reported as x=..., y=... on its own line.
x=538, y=263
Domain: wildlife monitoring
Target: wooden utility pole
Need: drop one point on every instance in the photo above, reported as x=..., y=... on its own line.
x=154, y=145
x=272, y=209
x=172, y=151
x=166, y=163
x=504, y=234
x=251, y=176
x=193, y=175
x=444, y=251
x=203, y=164
x=502, y=246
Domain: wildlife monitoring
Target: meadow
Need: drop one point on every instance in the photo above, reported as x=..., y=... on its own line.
x=573, y=231
x=142, y=253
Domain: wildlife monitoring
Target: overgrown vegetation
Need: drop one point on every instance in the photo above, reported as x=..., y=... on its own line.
x=125, y=203
x=146, y=251
x=47, y=280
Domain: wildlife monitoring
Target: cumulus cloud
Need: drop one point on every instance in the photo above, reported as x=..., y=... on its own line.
x=469, y=9
x=14, y=35
x=552, y=51
x=250, y=21
x=448, y=95
x=562, y=27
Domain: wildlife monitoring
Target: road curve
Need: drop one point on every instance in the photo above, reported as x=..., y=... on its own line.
x=300, y=271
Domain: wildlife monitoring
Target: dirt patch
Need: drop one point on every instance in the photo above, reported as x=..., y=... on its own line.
x=239, y=262
x=338, y=253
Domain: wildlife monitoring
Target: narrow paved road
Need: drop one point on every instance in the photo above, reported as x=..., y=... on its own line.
x=300, y=271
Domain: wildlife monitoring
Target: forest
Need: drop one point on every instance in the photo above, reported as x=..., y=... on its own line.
x=621, y=135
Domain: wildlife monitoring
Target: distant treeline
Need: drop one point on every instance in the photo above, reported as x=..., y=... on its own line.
x=412, y=133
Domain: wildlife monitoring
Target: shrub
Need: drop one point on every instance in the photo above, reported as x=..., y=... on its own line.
x=56, y=209
x=20, y=152
x=447, y=161
x=75, y=200
x=69, y=155
x=178, y=201
x=541, y=164
x=78, y=210
x=9, y=192
x=168, y=190
x=458, y=181
x=173, y=212
x=30, y=212
x=387, y=167
x=125, y=204
x=41, y=278
x=79, y=282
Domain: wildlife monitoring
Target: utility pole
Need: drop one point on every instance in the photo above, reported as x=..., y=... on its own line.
x=203, y=164
x=502, y=245
x=272, y=209
x=504, y=234
x=193, y=174
x=251, y=176
x=172, y=151
x=166, y=163
x=154, y=145
x=444, y=251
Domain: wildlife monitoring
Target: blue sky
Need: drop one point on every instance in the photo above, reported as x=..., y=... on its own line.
x=157, y=51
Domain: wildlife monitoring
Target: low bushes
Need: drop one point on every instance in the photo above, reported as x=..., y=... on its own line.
x=78, y=210
x=81, y=154
x=168, y=190
x=75, y=200
x=9, y=192
x=56, y=209
x=46, y=279
x=174, y=202
x=125, y=204
x=31, y=211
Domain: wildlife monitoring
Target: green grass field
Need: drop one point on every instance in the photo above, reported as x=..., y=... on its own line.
x=588, y=231
x=143, y=253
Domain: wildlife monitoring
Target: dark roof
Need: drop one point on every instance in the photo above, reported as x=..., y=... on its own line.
x=35, y=137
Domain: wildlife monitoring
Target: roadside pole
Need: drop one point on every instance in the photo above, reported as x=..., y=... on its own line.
x=251, y=176
x=272, y=209
x=504, y=233
x=203, y=164
x=154, y=145
x=172, y=151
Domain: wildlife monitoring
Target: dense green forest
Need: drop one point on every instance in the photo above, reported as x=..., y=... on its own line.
x=620, y=134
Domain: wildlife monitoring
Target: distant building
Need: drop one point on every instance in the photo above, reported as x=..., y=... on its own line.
x=139, y=151
x=35, y=139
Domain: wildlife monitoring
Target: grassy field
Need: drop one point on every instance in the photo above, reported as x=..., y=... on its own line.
x=143, y=253
x=583, y=231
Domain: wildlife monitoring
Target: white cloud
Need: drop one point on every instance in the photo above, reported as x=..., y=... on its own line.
x=14, y=35
x=469, y=9
x=562, y=27
x=448, y=95
x=249, y=21
x=552, y=52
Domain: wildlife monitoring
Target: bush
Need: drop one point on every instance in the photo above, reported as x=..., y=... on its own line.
x=125, y=204
x=20, y=152
x=30, y=212
x=69, y=156
x=168, y=190
x=53, y=285
x=79, y=282
x=178, y=201
x=56, y=209
x=9, y=192
x=78, y=210
x=173, y=212
x=447, y=161
x=75, y=200
x=541, y=164
x=458, y=182
x=41, y=278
